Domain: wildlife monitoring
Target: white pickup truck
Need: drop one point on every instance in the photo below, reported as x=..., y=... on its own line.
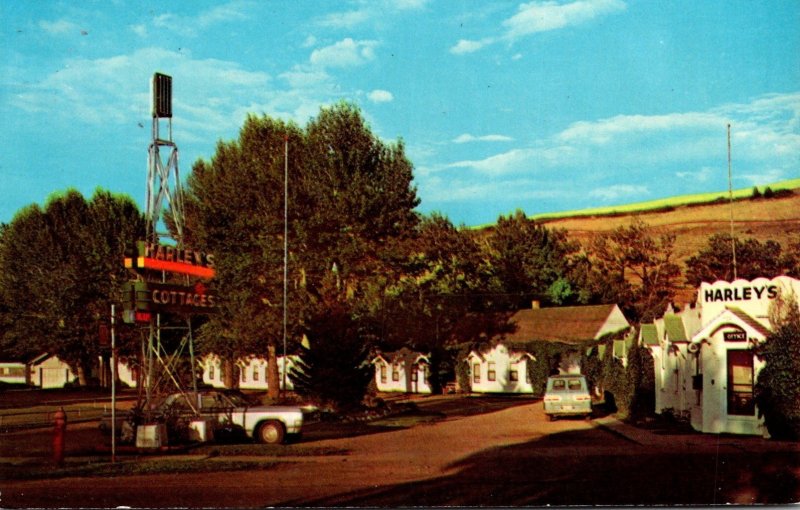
x=266, y=424
x=225, y=409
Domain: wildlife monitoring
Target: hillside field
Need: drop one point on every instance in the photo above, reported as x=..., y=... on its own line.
x=777, y=219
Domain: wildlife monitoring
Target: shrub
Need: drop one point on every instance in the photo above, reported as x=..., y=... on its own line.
x=777, y=390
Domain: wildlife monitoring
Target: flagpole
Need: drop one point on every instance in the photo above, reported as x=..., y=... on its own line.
x=285, y=248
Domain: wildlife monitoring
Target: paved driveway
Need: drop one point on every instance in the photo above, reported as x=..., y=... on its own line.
x=512, y=456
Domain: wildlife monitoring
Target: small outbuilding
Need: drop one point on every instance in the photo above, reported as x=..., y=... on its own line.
x=503, y=368
x=49, y=371
x=404, y=371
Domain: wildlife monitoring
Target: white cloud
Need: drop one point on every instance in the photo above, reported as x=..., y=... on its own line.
x=299, y=77
x=704, y=174
x=620, y=192
x=511, y=161
x=380, y=96
x=468, y=138
x=115, y=90
x=368, y=12
x=345, y=53
x=542, y=16
x=465, y=46
x=59, y=27
x=347, y=20
x=538, y=16
x=191, y=26
x=140, y=30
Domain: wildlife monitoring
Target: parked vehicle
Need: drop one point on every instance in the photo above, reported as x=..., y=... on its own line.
x=228, y=410
x=567, y=395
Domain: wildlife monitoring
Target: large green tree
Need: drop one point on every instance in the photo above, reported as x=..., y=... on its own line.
x=350, y=203
x=439, y=301
x=531, y=261
x=60, y=270
x=754, y=259
x=633, y=266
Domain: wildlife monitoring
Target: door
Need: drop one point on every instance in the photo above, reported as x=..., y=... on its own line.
x=740, y=383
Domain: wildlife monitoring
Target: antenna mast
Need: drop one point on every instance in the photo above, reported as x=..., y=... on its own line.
x=730, y=195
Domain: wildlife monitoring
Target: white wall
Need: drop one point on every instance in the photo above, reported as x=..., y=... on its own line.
x=51, y=373
x=503, y=362
x=401, y=376
x=252, y=372
x=13, y=373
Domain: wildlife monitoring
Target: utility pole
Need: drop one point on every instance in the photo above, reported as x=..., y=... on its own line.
x=730, y=195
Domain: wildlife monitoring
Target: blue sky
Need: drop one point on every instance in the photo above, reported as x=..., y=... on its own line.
x=543, y=105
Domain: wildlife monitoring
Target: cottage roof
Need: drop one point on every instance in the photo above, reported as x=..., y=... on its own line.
x=402, y=355
x=673, y=325
x=750, y=321
x=649, y=334
x=568, y=324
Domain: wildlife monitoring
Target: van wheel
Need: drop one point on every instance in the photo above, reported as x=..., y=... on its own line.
x=271, y=432
x=551, y=417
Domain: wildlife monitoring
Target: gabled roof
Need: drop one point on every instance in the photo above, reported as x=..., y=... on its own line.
x=403, y=354
x=567, y=324
x=747, y=319
x=649, y=334
x=730, y=315
x=675, y=331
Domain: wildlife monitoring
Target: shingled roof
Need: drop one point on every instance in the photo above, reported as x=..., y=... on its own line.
x=567, y=324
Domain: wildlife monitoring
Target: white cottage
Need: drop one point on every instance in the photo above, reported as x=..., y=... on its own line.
x=13, y=372
x=403, y=371
x=252, y=372
x=704, y=366
x=48, y=371
x=504, y=369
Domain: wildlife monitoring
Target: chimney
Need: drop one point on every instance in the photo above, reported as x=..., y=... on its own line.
x=535, y=305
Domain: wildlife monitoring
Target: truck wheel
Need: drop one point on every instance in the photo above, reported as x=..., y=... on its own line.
x=271, y=432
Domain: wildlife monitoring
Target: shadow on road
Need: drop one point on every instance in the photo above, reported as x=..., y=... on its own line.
x=570, y=469
x=411, y=413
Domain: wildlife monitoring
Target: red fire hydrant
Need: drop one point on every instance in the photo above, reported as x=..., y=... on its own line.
x=59, y=430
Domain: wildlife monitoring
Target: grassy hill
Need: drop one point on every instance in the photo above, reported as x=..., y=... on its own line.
x=693, y=221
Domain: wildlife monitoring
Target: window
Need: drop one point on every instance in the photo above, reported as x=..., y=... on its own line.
x=383, y=372
x=211, y=372
x=492, y=373
x=395, y=374
x=255, y=373
x=244, y=374
x=415, y=375
x=513, y=375
x=476, y=373
x=740, y=383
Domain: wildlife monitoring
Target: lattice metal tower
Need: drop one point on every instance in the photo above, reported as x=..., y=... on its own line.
x=163, y=179
x=164, y=225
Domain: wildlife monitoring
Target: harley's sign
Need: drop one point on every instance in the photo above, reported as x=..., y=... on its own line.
x=146, y=297
x=160, y=257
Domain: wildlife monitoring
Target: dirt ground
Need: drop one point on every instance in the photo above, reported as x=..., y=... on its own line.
x=508, y=455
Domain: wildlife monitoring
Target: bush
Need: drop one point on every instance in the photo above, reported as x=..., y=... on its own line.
x=777, y=390
x=334, y=371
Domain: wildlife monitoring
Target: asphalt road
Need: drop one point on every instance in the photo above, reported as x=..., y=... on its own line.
x=505, y=456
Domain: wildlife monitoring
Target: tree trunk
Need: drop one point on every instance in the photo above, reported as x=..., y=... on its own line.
x=82, y=379
x=227, y=370
x=273, y=380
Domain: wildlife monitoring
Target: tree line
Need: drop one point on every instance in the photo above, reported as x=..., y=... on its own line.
x=364, y=269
